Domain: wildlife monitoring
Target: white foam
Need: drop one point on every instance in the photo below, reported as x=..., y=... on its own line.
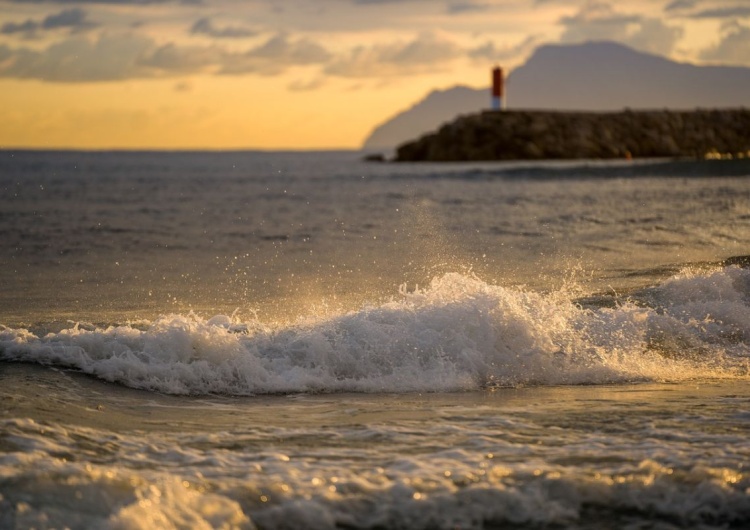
x=466, y=489
x=460, y=333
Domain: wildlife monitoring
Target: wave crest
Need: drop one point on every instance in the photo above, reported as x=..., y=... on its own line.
x=460, y=333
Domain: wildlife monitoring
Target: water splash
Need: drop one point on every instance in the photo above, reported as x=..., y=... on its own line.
x=460, y=333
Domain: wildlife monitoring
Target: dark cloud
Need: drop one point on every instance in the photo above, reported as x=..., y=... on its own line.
x=723, y=12
x=79, y=59
x=370, y=2
x=275, y=55
x=171, y=59
x=205, y=26
x=108, y=58
x=113, y=57
x=721, y=9
x=423, y=54
x=28, y=26
x=680, y=4
x=282, y=48
x=466, y=7
x=72, y=19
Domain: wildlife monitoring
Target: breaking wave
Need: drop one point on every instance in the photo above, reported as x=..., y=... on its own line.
x=460, y=333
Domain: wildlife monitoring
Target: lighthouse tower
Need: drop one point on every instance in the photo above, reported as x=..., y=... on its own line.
x=498, y=89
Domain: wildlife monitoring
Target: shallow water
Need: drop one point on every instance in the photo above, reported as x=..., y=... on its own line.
x=114, y=237
x=286, y=340
x=646, y=455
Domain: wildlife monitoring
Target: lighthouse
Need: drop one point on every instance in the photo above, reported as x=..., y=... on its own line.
x=498, y=89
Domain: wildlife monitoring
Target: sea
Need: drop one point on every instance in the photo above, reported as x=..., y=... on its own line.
x=306, y=340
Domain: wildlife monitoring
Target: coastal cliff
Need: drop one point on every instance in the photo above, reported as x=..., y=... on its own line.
x=537, y=135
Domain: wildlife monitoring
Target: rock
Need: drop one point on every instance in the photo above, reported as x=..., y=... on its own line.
x=533, y=135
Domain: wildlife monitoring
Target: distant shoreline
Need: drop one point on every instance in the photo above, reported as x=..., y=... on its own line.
x=563, y=135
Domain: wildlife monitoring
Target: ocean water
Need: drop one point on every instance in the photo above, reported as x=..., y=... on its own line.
x=304, y=340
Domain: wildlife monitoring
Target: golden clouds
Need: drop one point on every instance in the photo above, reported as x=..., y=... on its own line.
x=306, y=73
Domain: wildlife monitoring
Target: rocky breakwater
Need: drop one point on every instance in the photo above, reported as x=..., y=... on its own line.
x=536, y=135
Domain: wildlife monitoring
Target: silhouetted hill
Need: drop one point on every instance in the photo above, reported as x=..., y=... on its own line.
x=595, y=76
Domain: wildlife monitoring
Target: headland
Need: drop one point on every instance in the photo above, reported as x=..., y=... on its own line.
x=543, y=135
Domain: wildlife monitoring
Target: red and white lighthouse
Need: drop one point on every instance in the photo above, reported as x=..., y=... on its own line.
x=498, y=89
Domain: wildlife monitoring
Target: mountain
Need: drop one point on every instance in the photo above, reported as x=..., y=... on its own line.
x=595, y=76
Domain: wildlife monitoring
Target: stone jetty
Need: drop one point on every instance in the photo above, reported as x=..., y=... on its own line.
x=541, y=135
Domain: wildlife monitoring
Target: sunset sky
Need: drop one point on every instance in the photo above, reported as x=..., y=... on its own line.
x=296, y=74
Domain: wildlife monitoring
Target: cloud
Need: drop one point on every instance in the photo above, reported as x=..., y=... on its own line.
x=723, y=12
x=275, y=56
x=734, y=47
x=70, y=18
x=654, y=36
x=424, y=54
x=306, y=86
x=596, y=21
x=600, y=21
x=114, y=57
x=466, y=6
x=680, y=4
x=108, y=58
x=171, y=59
x=79, y=59
x=376, y=2
x=29, y=26
x=492, y=53
x=205, y=26
x=111, y=2
x=281, y=48
x=73, y=19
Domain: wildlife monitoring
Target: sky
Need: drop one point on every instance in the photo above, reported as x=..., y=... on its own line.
x=296, y=74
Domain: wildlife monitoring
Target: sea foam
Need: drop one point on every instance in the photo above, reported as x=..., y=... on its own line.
x=460, y=333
